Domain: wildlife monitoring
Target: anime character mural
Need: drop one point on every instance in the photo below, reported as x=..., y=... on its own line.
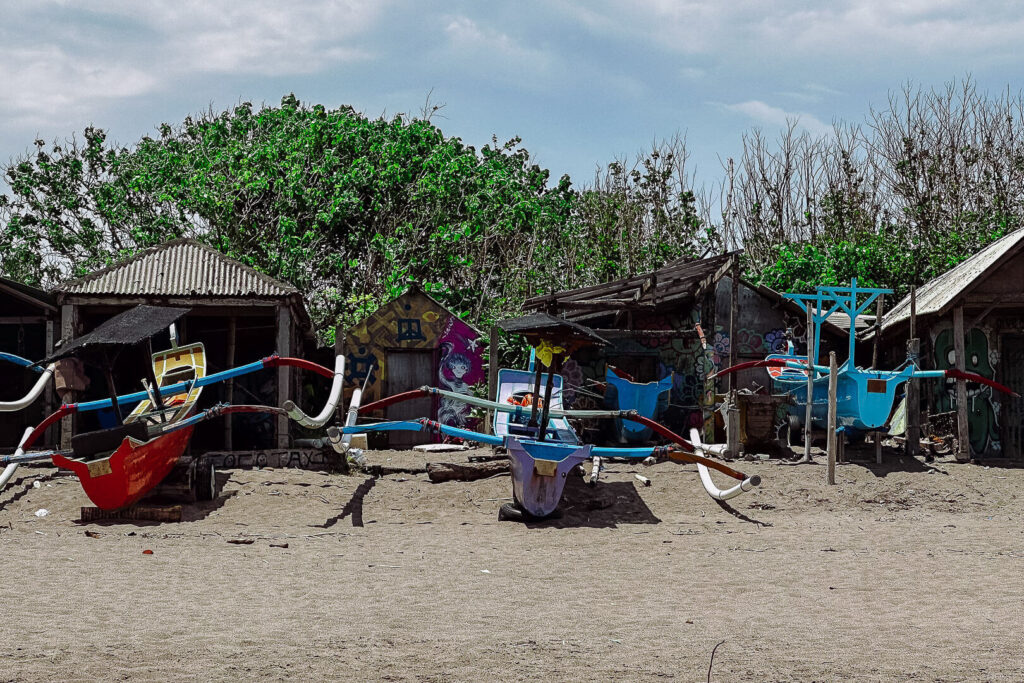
x=459, y=368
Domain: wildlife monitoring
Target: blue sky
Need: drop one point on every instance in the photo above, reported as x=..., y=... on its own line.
x=581, y=82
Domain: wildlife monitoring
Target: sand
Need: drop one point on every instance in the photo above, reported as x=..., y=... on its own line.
x=904, y=572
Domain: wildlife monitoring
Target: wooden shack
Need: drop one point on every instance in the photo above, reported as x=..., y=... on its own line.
x=971, y=318
x=686, y=318
x=410, y=342
x=239, y=314
x=28, y=319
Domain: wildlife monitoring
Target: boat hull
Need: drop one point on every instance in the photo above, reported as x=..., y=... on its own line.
x=131, y=471
x=539, y=471
x=649, y=400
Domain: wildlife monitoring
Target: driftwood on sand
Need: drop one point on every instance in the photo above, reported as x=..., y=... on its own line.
x=466, y=471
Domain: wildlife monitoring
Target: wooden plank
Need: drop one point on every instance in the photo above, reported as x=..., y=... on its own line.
x=963, y=437
x=832, y=409
x=142, y=513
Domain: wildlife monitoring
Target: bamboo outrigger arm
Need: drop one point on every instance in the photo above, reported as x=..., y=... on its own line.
x=37, y=388
x=11, y=467
x=746, y=483
x=295, y=413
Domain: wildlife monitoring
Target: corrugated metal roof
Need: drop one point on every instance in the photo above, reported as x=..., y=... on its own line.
x=678, y=281
x=936, y=296
x=181, y=267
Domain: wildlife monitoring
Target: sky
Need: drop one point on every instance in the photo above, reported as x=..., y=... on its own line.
x=582, y=83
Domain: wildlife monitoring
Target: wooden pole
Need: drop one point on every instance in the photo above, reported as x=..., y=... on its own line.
x=493, y=364
x=229, y=386
x=732, y=425
x=878, y=448
x=833, y=371
x=68, y=330
x=734, y=315
x=556, y=366
x=284, y=348
x=963, y=437
x=810, y=385
x=914, y=386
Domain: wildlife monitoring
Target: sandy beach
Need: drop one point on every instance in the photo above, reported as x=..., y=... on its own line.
x=908, y=571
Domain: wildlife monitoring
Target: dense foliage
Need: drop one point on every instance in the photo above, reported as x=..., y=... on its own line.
x=348, y=209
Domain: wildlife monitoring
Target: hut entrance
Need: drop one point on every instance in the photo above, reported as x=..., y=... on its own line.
x=408, y=370
x=1013, y=376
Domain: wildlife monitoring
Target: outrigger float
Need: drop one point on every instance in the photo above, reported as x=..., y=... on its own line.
x=119, y=465
x=865, y=396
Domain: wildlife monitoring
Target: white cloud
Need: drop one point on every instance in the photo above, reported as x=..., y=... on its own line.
x=488, y=46
x=777, y=117
x=44, y=83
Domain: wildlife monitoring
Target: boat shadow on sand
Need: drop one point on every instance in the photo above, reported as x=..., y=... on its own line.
x=605, y=505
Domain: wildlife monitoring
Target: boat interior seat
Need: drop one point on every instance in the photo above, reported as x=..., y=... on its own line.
x=89, y=444
x=182, y=373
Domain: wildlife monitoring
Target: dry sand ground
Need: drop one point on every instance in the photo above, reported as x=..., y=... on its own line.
x=905, y=572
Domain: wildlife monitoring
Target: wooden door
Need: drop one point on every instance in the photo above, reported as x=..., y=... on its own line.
x=408, y=370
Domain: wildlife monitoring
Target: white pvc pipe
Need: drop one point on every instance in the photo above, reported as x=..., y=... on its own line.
x=295, y=413
x=339, y=441
x=747, y=484
x=32, y=395
x=9, y=471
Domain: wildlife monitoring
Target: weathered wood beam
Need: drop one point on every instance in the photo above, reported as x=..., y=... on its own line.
x=963, y=435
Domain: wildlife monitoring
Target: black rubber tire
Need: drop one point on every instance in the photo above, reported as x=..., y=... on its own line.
x=206, y=481
x=796, y=431
x=510, y=512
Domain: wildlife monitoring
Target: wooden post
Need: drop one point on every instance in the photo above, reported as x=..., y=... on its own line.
x=50, y=407
x=68, y=329
x=734, y=315
x=963, y=437
x=810, y=384
x=284, y=348
x=732, y=425
x=493, y=364
x=878, y=448
x=229, y=386
x=832, y=382
x=555, y=368
x=879, y=310
x=913, y=403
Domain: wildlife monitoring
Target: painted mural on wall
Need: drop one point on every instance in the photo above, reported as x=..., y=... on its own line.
x=982, y=357
x=417, y=322
x=460, y=367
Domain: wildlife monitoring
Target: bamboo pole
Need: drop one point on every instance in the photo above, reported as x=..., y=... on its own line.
x=810, y=384
x=913, y=386
x=963, y=437
x=493, y=364
x=832, y=445
x=229, y=386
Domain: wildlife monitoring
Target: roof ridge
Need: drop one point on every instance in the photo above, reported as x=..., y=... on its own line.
x=286, y=287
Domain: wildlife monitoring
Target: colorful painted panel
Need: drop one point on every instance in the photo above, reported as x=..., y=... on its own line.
x=414, y=321
x=981, y=356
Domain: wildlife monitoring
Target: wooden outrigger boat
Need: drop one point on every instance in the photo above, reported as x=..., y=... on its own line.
x=119, y=465
x=649, y=399
x=540, y=458
x=864, y=397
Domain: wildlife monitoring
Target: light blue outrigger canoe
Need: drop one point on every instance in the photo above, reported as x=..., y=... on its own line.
x=649, y=399
x=864, y=397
